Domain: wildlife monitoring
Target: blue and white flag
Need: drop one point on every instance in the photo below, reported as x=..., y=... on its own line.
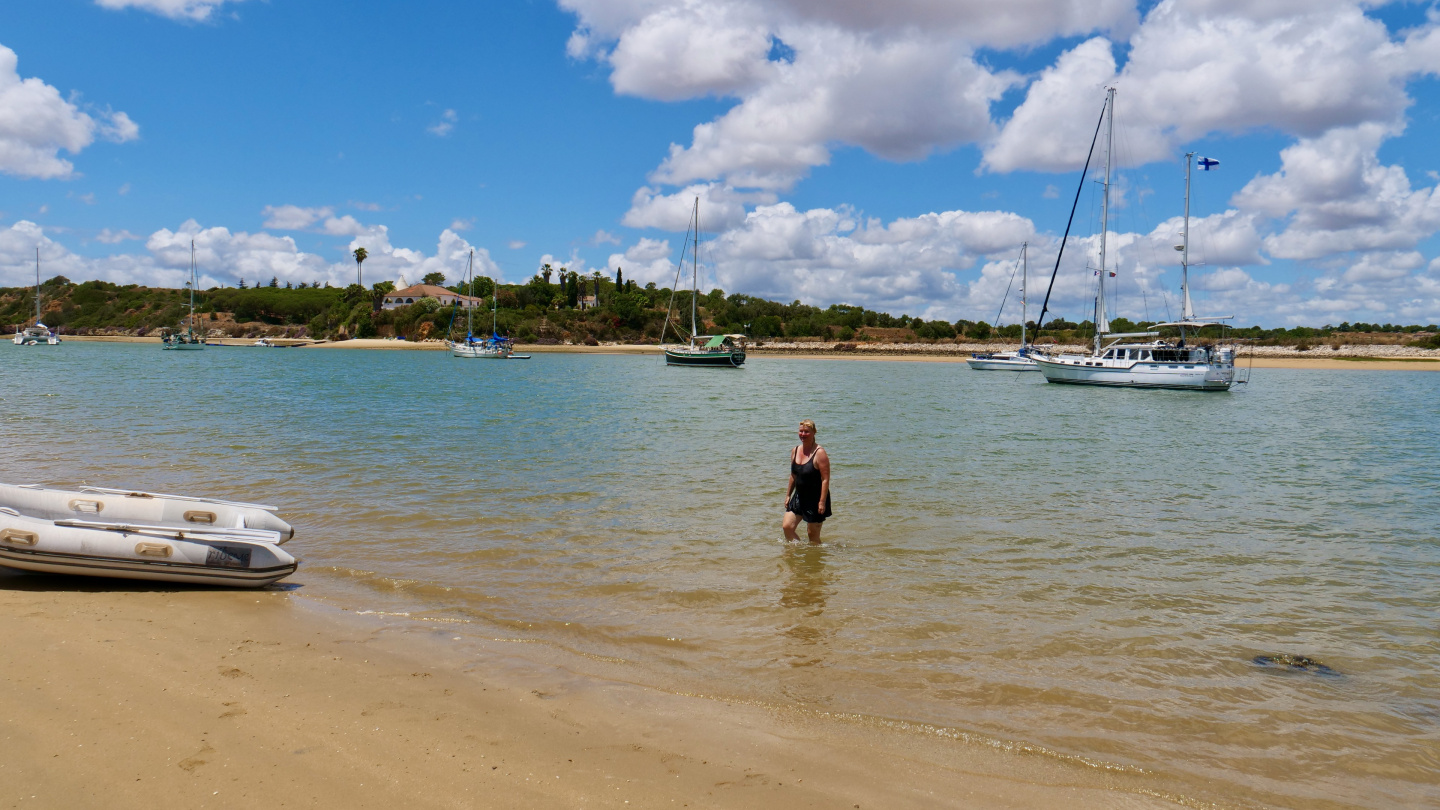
x=1208, y=163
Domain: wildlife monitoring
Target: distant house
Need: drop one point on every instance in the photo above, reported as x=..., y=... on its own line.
x=413, y=293
x=585, y=302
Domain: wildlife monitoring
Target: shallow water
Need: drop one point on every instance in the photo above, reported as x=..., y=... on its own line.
x=1089, y=572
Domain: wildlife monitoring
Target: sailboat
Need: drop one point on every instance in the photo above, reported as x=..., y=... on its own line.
x=1019, y=360
x=186, y=341
x=718, y=351
x=39, y=334
x=1154, y=364
x=490, y=348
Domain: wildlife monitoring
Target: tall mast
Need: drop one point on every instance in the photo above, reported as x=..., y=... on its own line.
x=1024, y=282
x=37, y=284
x=191, y=327
x=1187, y=312
x=1102, y=323
x=695, y=274
x=470, y=305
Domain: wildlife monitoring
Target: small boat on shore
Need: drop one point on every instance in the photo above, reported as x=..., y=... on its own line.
x=95, y=531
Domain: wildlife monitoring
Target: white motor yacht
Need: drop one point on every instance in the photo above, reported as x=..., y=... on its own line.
x=1206, y=366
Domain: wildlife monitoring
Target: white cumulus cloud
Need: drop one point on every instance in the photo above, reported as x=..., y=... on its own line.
x=194, y=10
x=36, y=124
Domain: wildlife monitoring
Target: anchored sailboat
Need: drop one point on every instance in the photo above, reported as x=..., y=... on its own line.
x=1156, y=364
x=1017, y=360
x=186, y=341
x=719, y=351
x=39, y=334
x=489, y=348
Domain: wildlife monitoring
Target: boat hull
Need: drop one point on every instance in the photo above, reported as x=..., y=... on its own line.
x=156, y=553
x=1173, y=376
x=1002, y=362
x=476, y=352
x=184, y=347
x=30, y=339
x=704, y=359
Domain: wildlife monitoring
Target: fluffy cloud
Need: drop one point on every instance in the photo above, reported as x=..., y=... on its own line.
x=720, y=207
x=293, y=217
x=196, y=10
x=321, y=220
x=36, y=124
x=1201, y=67
x=1335, y=196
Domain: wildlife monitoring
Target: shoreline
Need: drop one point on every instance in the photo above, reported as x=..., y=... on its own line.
x=1370, y=358
x=250, y=697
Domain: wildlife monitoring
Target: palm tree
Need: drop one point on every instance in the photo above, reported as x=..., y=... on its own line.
x=361, y=254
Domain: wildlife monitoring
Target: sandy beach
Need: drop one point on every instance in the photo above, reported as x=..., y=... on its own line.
x=126, y=695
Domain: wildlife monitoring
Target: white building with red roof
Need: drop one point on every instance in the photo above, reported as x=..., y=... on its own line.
x=413, y=293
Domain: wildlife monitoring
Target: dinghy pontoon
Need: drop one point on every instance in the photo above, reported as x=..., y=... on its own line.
x=142, y=535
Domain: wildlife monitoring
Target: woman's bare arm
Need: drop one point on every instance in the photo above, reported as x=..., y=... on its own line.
x=822, y=463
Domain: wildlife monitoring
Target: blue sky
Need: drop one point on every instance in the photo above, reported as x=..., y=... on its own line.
x=893, y=156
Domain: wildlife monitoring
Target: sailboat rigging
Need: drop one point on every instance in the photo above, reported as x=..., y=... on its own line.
x=39, y=334
x=186, y=341
x=717, y=351
x=1155, y=364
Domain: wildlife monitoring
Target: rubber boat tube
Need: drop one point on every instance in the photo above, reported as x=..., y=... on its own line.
x=136, y=535
x=126, y=506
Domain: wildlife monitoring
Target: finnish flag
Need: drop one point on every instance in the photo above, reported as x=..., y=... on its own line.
x=1208, y=163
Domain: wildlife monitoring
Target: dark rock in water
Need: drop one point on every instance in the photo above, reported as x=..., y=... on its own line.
x=1298, y=663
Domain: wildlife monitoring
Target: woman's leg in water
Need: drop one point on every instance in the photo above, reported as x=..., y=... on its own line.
x=788, y=524
x=813, y=530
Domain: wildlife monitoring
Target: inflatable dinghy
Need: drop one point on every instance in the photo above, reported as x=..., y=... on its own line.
x=142, y=535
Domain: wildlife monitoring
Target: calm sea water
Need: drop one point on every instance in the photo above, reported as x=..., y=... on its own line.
x=1090, y=572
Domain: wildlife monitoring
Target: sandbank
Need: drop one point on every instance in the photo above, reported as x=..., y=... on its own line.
x=125, y=695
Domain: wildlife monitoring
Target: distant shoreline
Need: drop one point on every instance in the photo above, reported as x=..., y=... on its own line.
x=1372, y=358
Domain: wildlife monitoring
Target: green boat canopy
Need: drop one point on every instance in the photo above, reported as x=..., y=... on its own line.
x=715, y=342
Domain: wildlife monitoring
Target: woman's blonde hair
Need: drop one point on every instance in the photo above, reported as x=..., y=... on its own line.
x=810, y=424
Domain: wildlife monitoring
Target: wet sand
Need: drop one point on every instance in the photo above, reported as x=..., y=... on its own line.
x=128, y=695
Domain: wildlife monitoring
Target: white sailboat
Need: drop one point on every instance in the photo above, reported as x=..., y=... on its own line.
x=489, y=348
x=1153, y=364
x=39, y=334
x=186, y=341
x=1019, y=360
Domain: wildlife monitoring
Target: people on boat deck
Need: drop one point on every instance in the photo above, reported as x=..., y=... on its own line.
x=807, y=497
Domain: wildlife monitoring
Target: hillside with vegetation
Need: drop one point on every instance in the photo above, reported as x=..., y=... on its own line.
x=555, y=306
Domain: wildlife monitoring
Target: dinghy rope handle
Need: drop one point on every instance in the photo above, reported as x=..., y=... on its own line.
x=195, y=516
x=152, y=549
x=89, y=507
x=18, y=537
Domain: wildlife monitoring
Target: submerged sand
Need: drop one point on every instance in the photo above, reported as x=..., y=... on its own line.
x=126, y=695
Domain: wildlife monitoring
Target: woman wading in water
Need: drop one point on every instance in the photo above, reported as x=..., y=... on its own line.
x=807, y=497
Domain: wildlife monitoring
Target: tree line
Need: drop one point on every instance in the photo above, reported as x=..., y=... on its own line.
x=554, y=305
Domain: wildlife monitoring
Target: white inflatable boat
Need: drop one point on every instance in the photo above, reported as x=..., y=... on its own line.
x=142, y=535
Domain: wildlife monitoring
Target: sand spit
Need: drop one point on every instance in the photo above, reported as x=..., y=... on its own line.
x=128, y=696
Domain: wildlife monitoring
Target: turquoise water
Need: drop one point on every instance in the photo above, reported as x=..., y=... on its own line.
x=1089, y=572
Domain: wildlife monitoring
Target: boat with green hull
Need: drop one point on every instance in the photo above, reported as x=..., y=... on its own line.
x=706, y=351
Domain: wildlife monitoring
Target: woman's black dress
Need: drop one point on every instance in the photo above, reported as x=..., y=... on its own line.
x=805, y=499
